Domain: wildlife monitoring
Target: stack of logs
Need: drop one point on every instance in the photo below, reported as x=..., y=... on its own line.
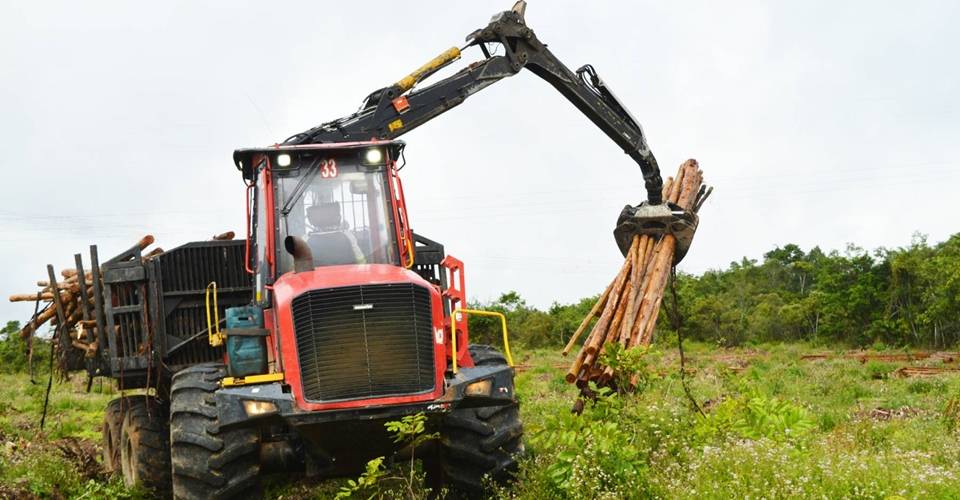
x=73, y=305
x=626, y=313
x=71, y=299
x=76, y=300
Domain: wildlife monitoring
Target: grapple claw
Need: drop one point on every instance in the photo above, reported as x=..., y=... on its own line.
x=657, y=221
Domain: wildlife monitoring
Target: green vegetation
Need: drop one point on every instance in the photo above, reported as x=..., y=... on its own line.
x=410, y=431
x=779, y=428
x=63, y=460
x=889, y=297
x=775, y=426
x=14, y=351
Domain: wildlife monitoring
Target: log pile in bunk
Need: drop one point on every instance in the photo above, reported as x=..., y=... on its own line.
x=626, y=313
x=65, y=299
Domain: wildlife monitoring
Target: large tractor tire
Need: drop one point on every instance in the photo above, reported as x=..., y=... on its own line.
x=208, y=463
x=479, y=442
x=144, y=448
x=112, y=423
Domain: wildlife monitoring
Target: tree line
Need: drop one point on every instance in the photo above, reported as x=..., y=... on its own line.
x=907, y=296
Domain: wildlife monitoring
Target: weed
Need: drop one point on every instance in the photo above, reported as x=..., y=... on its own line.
x=923, y=386
x=629, y=366
x=951, y=414
x=409, y=431
x=594, y=454
x=755, y=417
x=878, y=370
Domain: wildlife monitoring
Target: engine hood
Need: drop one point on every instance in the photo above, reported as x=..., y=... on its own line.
x=292, y=284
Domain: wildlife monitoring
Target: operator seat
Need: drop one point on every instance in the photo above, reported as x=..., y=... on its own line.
x=330, y=244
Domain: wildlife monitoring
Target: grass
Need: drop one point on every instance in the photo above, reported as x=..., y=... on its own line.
x=870, y=436
x=776, y=426
x=63, y=459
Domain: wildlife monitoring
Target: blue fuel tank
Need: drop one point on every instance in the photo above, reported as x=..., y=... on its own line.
x=246, y=341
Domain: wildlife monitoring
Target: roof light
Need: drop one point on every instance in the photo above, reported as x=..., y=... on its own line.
x=283, y=160
x=373, y=156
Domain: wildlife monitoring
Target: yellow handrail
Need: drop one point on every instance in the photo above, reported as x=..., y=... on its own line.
x=410, y=254
x=214, y=335
x=478, y=312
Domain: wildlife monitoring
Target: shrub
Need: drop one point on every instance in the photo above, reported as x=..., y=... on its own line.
x=593, y=454
x=629, y=366
x=878, y=370
x=755, y=417
x=13, y=349
x=374, y=482
x=922, y=386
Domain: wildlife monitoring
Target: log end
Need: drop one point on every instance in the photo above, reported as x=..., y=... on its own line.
x=146, y=241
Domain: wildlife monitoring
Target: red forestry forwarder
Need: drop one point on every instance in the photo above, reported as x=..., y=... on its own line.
x=290, y=349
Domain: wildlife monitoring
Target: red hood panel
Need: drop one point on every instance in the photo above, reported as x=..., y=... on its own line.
x=291, y=285
x=347, y=275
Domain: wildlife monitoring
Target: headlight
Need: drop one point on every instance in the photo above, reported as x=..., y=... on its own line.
x=283, y=160
x=481, y=388
x=257, y=408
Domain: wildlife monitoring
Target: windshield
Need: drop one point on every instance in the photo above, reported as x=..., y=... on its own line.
x=340, y=209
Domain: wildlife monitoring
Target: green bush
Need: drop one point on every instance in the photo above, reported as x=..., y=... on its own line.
x=878, y=369
x=380, y=481
x=922, y=386
x=595, y=454
x=755, y=417
x=13, y=349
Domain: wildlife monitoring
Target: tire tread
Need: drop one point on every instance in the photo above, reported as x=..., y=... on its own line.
x=208, y=462
x=478, y=442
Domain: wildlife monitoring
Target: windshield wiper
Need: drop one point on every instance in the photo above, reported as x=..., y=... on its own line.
x=300, y=188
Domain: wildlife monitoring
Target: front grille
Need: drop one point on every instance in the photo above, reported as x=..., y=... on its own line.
x=364, y=341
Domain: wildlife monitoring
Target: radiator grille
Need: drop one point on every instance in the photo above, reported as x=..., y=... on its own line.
x=364, y=341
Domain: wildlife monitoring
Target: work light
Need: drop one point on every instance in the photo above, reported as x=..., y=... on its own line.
x=373, y=156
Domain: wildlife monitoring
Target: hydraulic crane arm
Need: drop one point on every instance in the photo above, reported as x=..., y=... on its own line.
x=392, y=111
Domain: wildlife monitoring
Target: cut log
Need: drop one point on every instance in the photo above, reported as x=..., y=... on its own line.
x=594, y=312
x=630, y=305
x=153, y=253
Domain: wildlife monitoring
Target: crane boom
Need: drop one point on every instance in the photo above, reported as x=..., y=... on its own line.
x=392, y=111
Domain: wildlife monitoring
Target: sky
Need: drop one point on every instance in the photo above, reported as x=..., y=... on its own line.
x=817, y=122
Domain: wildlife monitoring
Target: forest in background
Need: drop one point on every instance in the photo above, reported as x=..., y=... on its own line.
x=907, y=296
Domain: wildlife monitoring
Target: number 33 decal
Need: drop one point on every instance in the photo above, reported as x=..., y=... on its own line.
x=328, y=169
